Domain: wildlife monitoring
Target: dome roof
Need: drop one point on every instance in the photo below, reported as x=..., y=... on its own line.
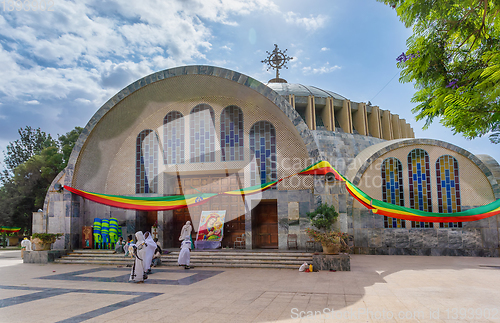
x=303, y=90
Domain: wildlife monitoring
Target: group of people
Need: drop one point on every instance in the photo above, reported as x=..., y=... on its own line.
x=147, y=252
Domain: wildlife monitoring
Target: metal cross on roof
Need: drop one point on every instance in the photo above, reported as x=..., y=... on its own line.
x=277, y=60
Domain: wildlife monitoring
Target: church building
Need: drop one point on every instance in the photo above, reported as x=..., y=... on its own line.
x=205, y=129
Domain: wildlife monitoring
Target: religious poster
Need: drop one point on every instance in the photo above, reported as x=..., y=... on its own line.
x=211, y=226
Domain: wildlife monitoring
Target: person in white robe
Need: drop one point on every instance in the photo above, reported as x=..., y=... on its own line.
x=137, y=274
x=185, y=253
x=186, y=231
x=150, y=252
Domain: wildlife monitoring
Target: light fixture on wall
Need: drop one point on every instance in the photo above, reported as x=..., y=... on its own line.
x=58, y=187
x=330, y=177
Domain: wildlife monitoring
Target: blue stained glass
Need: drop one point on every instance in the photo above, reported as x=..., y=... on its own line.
x=260, y=135
x=227, y=138
x=231, y=126
x=236, y=138
x=146, y=179
x=178, y=142
x=202, y=124
x=202, y=158
x=231, y=143
x=197, y=136
x=207, y=134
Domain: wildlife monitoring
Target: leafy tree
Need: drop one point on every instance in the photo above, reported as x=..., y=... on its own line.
x=30, y=143
x=68, y=141
x=453, y=58
x=24, y=187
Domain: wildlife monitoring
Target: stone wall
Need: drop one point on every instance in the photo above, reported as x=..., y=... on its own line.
x=477, y=238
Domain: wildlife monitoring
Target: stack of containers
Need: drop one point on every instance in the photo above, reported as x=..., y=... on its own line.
x=105, y=233
x=97, y=233
x=113, y=231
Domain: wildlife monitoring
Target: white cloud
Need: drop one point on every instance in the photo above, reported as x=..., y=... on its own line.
x=32, y=102
x=324, y=49
x=81, y=50
x=312, y=23
x=226, y=47
x=320, y=70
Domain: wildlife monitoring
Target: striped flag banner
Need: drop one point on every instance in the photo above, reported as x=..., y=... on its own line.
x=319, y=168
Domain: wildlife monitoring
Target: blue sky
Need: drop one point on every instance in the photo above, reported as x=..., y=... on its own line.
x=59, y=67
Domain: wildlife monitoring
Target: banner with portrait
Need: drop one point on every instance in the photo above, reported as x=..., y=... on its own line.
x=210, y=229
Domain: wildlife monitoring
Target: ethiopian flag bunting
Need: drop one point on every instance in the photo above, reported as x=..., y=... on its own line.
x=253, y=189
x=161, y=203
x=9, y=229
x=319, y=168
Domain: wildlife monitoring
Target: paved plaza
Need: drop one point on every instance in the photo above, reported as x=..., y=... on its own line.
x=378, y=289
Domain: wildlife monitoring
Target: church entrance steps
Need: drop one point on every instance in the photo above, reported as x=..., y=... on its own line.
x=205, y=258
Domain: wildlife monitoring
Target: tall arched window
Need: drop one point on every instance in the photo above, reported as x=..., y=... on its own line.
x=448, y=188
x=263, y=147
x=419, y=181
x=202, y=134
x=231, y=134
x=392, y=189
x=173, y=138
x=146, y=162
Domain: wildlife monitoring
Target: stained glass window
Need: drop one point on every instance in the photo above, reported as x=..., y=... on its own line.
x=263, y=147
x=448, y=188
x=419, y=180
x=202, y=134
x=173, y=138
x=231, y=134
x=392, y=189
x=146, y=162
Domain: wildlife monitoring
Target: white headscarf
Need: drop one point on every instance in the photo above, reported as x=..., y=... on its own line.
x=186, y=231
x=139, y=236
x=150, y=251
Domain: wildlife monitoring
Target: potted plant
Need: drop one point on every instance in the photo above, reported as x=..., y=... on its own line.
x=43, y=241
x=322, y=219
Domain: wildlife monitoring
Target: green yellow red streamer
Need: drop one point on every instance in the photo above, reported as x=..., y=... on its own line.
x=320, y=168
x=9, y=229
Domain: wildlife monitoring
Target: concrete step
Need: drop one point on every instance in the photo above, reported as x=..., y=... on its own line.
x=196, y=256
x=204, y=258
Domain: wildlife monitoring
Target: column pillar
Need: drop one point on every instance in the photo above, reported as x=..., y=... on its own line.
x=387, y=125
x=345, y=119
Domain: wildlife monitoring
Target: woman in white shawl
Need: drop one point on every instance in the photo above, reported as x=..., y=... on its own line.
x=137, y=275
x=150, y=252
x=184, y=255
x=186, y=231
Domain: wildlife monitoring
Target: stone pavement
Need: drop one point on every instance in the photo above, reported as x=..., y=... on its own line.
x=378, y=289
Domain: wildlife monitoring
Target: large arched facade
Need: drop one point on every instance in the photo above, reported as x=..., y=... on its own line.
x=435, y=176
x=173, y=133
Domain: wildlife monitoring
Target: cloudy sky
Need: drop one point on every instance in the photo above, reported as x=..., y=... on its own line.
x=58, y=67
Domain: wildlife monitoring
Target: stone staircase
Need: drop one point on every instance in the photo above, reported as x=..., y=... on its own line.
x=206, y=258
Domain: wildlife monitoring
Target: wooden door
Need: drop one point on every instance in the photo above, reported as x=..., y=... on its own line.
x=234, y=224
x=265, y=225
